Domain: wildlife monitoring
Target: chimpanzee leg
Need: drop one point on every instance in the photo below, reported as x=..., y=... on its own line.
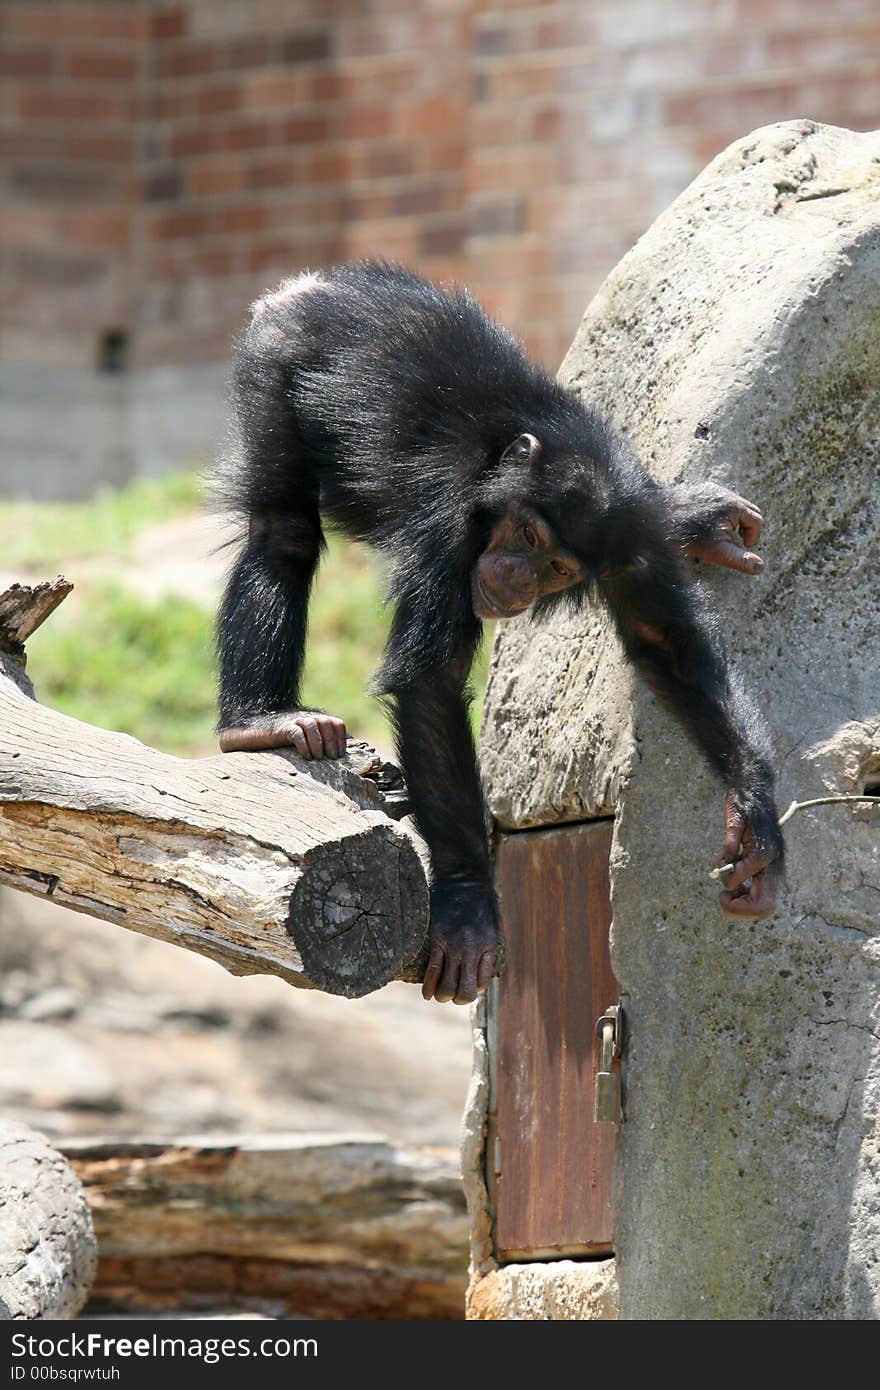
x=436, y=751
x=261, y=639
x=263, y=618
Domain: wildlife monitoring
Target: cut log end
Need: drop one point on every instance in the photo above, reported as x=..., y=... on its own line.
x=358, y=918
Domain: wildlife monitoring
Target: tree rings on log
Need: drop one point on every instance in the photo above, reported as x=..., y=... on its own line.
x=352, y=914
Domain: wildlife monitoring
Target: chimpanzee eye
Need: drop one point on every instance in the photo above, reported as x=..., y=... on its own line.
x=560, y=568
x=529, y=536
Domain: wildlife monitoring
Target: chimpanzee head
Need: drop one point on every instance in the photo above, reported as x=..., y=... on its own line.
x=563, y=522
x=524, y=559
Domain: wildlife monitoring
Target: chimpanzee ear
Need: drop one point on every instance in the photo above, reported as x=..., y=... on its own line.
x=630, y=566
x=524, y=449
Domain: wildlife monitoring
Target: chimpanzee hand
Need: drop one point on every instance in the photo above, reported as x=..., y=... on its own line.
x=731, y=533
x=465, y=941
x=311, y=732
x=759, y=840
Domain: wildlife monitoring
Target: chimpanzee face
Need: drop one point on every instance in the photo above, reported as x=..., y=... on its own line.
x=522, y=562
x=558, y=529
x=524, y=559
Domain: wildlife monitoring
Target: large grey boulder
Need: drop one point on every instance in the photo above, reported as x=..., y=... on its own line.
x=740, y=341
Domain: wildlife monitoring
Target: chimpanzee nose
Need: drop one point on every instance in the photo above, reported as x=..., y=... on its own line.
x=518, y=578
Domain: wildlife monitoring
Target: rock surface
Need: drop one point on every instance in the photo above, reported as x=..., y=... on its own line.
x=739, y=341
x=559, y=1291
x=47, y=1244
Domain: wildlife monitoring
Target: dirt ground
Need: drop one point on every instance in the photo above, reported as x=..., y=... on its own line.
x=103, y=1031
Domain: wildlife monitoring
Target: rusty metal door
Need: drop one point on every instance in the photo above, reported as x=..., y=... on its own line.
x=551, y=1165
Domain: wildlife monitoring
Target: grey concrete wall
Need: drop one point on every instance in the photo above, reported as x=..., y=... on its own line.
x=67, y=431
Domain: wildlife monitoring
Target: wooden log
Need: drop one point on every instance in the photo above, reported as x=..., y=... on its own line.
x=317, y=1225
x=264, y=862
x=47, y=1242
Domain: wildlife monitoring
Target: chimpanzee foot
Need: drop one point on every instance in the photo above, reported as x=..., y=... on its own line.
x=311, y=732
x=466, y=942
x=459, y=969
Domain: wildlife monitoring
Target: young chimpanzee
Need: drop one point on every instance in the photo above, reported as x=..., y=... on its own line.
x=411, y=420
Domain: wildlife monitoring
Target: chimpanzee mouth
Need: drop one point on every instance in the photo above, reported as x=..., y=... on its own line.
x=486, y=607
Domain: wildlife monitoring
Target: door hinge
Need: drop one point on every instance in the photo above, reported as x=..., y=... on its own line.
x=606, y=1095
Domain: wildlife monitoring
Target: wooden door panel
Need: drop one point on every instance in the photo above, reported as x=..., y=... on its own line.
x=552, y=1187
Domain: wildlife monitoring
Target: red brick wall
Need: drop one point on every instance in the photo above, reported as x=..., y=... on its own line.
x=163, y=162
x=591, y=117
x=310, y=135
x=68, y=108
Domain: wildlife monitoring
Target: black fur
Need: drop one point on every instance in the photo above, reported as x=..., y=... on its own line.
x=384, y=404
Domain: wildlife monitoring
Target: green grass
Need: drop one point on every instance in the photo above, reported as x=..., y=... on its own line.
x=347, y=629
x=140, y=668
x=35, y=536
x=147, y=668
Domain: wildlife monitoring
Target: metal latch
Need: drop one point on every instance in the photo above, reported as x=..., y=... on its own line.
x=606, y=1102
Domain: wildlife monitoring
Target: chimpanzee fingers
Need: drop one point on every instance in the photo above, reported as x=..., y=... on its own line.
x=750, y=523
x=476, y=974
x=763, y=892
x=447, y=989
x=432, y=973
x=756, y=901
x=753, y=862
x=309, y=726
x=331, y=732
x=312, y=735
x=743, y=868
x=486, y=969
x=299, y=741
x=467, y=979
x=744, y=560
x=730, y=556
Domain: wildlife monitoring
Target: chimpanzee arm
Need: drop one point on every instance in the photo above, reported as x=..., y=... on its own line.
x=709, y=522
x=436, y=750
x=670, y=636
x=261, y=634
